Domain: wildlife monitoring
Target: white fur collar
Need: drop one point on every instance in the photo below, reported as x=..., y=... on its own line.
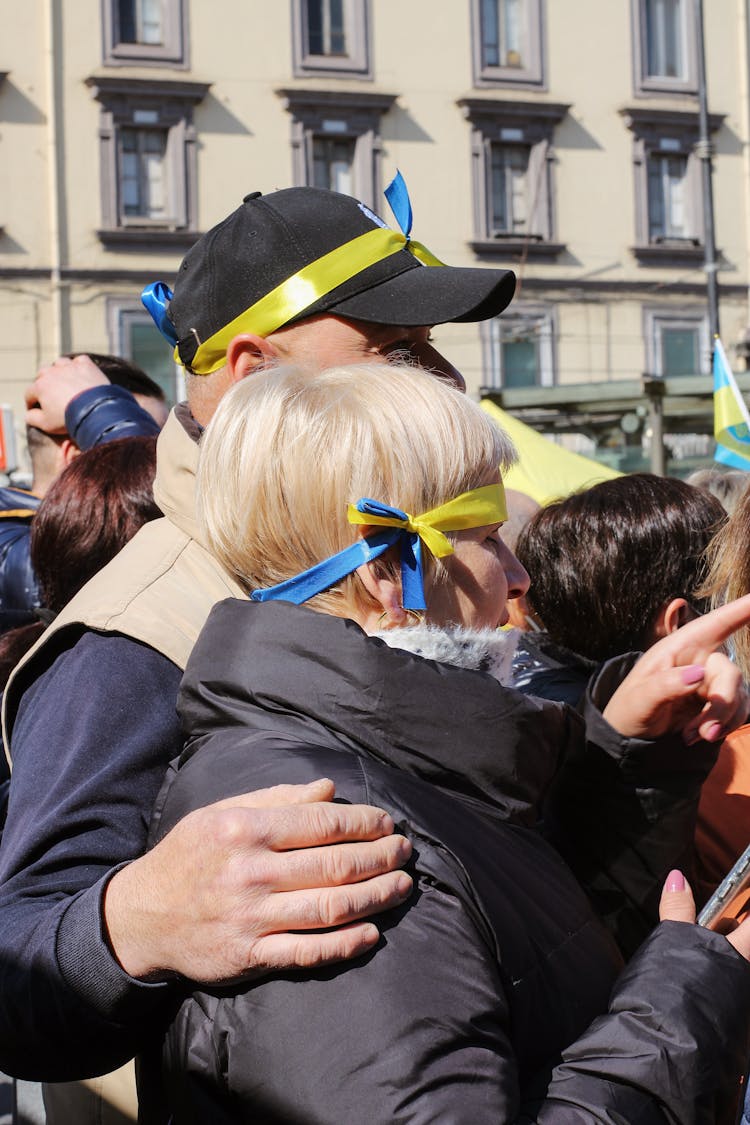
x=482, y=650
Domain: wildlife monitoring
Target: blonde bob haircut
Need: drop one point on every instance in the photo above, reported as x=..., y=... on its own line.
x=288, y=449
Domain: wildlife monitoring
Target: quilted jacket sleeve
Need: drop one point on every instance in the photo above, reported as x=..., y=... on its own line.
x=104, y=414
x=622, y=812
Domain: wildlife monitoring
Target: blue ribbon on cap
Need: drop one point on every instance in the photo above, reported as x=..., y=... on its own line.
x=155, y=299
x=397, y=195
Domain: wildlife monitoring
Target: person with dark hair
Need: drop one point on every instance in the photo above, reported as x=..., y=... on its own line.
x=612, y=569
x=97, y=408
x=89, y=513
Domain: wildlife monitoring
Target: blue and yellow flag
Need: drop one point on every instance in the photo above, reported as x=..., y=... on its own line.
x=731, y=420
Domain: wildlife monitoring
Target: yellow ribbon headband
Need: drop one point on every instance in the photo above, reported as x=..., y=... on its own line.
x=479, y=507
x=303, y=289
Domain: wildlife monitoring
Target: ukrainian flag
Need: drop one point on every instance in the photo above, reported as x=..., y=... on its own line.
x=731, y=419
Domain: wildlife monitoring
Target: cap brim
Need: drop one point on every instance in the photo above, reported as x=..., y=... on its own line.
x=432, y=295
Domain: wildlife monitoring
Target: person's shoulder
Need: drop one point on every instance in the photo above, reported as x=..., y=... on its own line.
x=17, y=504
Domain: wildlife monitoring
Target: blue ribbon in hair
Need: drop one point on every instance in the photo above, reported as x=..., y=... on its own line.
x=327, y=573
x=155, y=299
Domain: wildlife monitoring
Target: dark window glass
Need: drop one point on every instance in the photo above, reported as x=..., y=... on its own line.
x=326, y=27
x=520, y=360
x=680, y=351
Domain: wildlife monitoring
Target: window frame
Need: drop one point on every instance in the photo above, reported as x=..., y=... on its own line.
x=355, y=64
x=645, y=83
x=165, y=106
x=121, y=313
x=531, y=75
x=657, y=318
x=530, y=125
x=356, y=115
x=173, y=52
x=492, y=332
x=667, y=133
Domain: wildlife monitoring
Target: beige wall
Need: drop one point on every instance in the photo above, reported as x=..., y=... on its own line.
x=422, y=53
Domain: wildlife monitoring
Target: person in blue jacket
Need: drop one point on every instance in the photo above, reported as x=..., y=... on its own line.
x=119, y=400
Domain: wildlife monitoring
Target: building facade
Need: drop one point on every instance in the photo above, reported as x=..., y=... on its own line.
x=557, y=137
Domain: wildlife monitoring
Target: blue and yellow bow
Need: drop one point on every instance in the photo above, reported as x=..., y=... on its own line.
x=479, y=507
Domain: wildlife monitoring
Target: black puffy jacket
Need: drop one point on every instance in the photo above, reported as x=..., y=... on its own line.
x=493, y=995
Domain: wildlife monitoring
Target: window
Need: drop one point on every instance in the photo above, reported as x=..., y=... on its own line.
x=513, y=158
x=668, y=201
x=143, y=157
x=668, y=189
x=148, y=181
x=132, y=334
x=336, y=140
x=145, y=31
x=677, y=343
x=332, y=36
x=519, y=349
x=665, y=49
x=509, y=189
x=507, y=38
x=333, y=163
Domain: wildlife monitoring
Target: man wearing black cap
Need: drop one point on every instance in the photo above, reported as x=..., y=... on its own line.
x=92, y=935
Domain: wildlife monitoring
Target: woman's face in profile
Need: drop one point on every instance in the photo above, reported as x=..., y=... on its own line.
x=483, y=574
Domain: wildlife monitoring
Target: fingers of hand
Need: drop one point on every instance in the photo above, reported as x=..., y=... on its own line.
x=326, y=907
x=310, y=951
x=677, y=903
x=724, y=701
x=321, y=790
x=331, y=866
x=303, y=825
x=708, y=632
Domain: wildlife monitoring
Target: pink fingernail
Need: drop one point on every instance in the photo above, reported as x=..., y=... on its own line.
x=692, y=674
x=714, y=732
x=675, y=880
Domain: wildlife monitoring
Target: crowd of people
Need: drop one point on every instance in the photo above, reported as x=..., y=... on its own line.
x=344, y=785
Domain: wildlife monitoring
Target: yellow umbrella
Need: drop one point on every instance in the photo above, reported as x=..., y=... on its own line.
x=545, y=470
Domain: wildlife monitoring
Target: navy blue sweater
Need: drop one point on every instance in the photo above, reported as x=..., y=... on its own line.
x=92, y=739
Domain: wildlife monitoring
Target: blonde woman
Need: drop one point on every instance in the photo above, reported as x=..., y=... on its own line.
x=356, y=507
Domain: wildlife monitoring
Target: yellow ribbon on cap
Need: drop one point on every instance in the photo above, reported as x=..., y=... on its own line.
x=303, y=289
x=479, y=507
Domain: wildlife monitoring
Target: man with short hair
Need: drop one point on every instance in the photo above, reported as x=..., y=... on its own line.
x=94, y=930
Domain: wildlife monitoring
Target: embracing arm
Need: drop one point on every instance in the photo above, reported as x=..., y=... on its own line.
x=86, y=946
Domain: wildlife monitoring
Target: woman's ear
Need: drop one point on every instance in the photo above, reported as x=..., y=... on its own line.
x=671, y=617
x=385, y=590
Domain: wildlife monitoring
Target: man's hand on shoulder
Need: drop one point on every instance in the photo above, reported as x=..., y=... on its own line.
x=54, y=388
x=246, y=886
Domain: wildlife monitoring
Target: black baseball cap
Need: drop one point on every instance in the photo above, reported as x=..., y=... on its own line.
x=270, y=238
